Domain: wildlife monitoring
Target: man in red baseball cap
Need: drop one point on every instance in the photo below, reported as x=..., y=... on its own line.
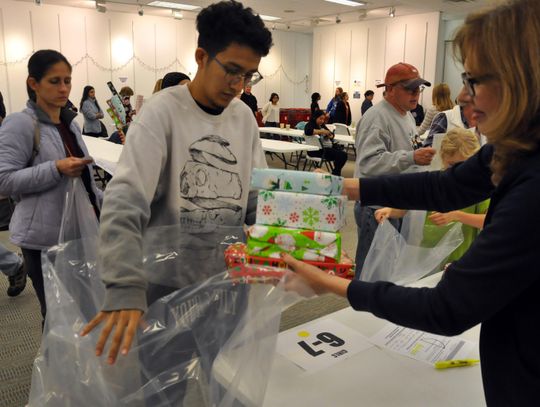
x=404, y=75
x=386, y=143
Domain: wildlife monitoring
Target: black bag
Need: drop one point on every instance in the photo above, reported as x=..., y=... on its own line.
x=6, y=210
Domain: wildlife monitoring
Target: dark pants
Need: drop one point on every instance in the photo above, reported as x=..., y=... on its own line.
x=366, y=227
x=336, y=155
x=32, y=263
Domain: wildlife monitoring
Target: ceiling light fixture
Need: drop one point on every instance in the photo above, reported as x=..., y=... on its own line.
x=100, y=6
x=177, y=14
x=168, y=4
x=268, y=18
x=348, y=2
x=392, y=12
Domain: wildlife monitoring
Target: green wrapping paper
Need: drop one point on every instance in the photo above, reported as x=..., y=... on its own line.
x=271, y=241
x=303, y=182
x=301, y=211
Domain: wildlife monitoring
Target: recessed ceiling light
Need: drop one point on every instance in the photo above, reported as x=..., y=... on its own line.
x=347, y=2
x=269, y=18
x=168, y=4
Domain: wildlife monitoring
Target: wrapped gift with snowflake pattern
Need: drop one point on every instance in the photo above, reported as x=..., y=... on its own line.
x=315, y=183
x=301, y=211
x=271, y=241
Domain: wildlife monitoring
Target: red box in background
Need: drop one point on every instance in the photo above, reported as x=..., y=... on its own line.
x=293, y=115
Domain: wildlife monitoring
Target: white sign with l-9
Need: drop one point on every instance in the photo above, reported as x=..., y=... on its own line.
x=319, y=344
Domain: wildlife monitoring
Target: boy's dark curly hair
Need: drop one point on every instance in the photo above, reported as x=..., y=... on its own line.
x=221, y=24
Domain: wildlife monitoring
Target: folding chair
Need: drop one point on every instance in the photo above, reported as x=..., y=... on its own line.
x=316, y=162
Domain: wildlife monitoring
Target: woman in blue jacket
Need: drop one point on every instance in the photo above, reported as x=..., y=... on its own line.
x=497, y=281
x=40, y=149
x=92, y=113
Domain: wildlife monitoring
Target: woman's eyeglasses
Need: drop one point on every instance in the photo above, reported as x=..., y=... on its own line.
x=469, y=82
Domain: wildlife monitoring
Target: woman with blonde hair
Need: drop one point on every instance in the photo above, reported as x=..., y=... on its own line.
x=441, y=101
x=157, y=85
x=497, y=281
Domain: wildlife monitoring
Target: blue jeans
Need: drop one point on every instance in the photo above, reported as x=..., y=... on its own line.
x=366, y=227
x=9, y=262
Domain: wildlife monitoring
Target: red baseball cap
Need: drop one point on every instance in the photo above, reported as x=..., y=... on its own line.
x=407, y=74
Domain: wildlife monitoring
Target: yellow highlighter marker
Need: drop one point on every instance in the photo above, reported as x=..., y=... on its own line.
x=445, y=364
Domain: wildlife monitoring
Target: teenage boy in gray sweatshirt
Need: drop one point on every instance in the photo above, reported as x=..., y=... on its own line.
x=187, y=160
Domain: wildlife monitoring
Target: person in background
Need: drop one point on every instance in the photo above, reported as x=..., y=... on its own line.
x=249, y=99
x=125, y=94
x=315, y=128
x=270, y=111
x=173, y=79
x=497, y=281
x=441, y=102
x=461, y=115
x=193, y=127
x=40, y=178
x=157, y=85
x=12, y=266
x=368, y=101
x=2, y=109
x=418, y=114
x=331, y=107
x=343, y=110
x=456, y=146
x=386, y=144
x=92, y=113
x=315, y=97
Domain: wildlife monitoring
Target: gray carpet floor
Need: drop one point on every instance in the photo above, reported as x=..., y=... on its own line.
x=20, y=320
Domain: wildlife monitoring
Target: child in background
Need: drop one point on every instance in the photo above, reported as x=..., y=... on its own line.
x=456, y=146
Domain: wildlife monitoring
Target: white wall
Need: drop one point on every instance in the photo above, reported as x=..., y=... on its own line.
x=105, y=47
x=287, y=70
x=451, y=69
x=358, y=55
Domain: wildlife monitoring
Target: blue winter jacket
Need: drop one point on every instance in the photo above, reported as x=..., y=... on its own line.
x=90, y=111
x=37, y=184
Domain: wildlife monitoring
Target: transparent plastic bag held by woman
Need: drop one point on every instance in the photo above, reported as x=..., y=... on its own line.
x=404, y=257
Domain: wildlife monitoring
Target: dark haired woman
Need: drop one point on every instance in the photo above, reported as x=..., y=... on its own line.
x=39, y=176
x=315, y=128
x=315, y=97
x=270, y=111
x=92, y=113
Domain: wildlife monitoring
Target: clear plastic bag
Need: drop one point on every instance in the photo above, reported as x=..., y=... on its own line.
x=79, y=219
x=404, y=258
x=210, y=343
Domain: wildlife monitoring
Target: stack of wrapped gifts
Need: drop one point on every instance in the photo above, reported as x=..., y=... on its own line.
x=300, y=213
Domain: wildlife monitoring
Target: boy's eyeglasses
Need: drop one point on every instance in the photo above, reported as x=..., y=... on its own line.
x=233, y=76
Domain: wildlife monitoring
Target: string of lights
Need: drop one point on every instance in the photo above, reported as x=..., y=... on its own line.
x=148, y=67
